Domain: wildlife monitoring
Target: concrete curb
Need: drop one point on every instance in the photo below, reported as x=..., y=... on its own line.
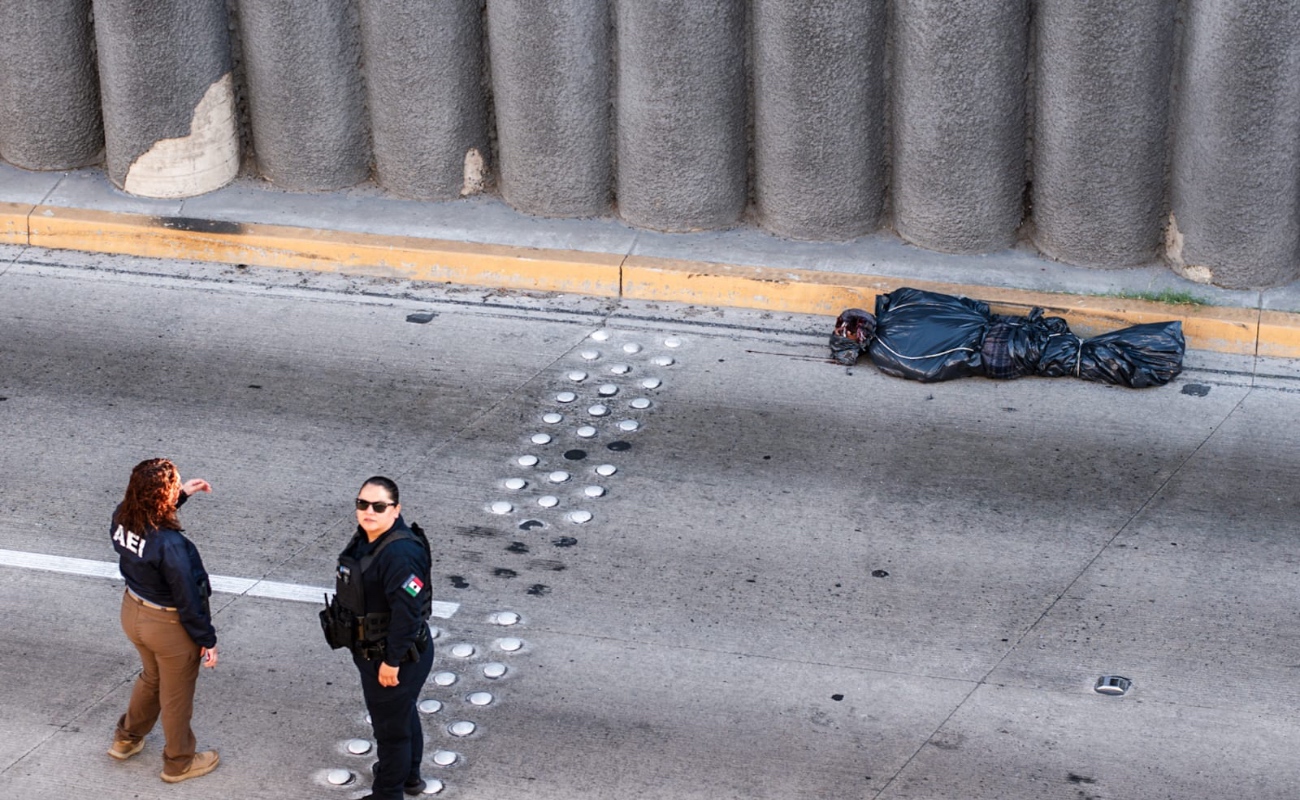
x=1238, y=331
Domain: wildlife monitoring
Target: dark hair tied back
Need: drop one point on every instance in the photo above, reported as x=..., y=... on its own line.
x=386, y=484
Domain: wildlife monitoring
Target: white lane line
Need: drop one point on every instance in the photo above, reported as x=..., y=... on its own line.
x=247, y=587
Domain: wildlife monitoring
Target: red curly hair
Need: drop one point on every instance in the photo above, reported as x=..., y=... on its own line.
x=150, y=502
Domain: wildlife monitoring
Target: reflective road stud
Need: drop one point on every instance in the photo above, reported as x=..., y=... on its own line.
x=515, y=484
x=641, y=402
x=586, y=431
x=432, y=786
x=552, y=418
x=541, y=438
x=631, y=347
x=444, y=678
x=598, y=410
x=662, y=361
x=629, y=425
x=558, y=476
x=340, y=777
x=463, y=650
x=358, y=747
x=1112, y=685
x=594, y=491
x=606, y=470
x=504, y=618
x=527, y=461
x=502, y=507
x=494, y=670
x=445, y=758
x=620, y=369
x=607, y=390
x=509, y=644
x=672, y=341
x=577, y=376
x=601, y=335
x=430, y=706
x=590, y=355
x=566, y=397
x=580, y=516
x=461, y=727
x=548, y=501
x=651, y=383
x=479, y=698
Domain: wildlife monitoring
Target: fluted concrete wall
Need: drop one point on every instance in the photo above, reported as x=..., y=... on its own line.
x=1102, y=121
x=681, y=113
x=49, y=90
x=425, y=91
x=305, y=92
x=1159, y=129
x=959, y=122
x=1236, y=171
x=168, y=100
x=819, y=116
x=551, y=77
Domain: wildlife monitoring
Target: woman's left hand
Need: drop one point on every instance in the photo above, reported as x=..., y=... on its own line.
x=196, y=485
x=387, y=675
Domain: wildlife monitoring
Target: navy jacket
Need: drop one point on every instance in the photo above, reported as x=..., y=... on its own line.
x=394, y=583
x=164, y=568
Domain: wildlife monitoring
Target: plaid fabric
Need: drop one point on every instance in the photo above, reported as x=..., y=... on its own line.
x=999, y=363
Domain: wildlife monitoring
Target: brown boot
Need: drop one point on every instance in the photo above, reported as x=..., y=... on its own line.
x=202, y=764
x=123, y=749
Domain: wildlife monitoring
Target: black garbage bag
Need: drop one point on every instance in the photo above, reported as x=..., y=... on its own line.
x=1136, y=357
x=926, y=336
x=1013, y=346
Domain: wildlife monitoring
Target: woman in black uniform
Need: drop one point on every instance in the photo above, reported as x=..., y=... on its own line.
x=383, y=578
x=166, y=584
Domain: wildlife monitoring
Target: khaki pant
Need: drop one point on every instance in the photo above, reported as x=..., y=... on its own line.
x=166, y=686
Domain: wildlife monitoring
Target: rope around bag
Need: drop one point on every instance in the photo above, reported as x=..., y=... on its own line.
x=931, y=355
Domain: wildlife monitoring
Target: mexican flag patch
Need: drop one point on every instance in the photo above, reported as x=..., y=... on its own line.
x=413, y=585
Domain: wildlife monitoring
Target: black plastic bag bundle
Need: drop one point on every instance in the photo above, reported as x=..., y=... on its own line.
x=1013, y=346
x=1136, y=357
x=928, y=337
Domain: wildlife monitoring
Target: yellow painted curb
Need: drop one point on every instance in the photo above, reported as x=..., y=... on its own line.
x=1279, y=335
x=1226, y=330
x=13, y=222
x=408, y=257
x=1240, y=331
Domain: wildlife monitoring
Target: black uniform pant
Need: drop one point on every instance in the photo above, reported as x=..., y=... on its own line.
x=396, y=722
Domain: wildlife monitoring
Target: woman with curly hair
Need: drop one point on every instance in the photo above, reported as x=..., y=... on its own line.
x=165, y=615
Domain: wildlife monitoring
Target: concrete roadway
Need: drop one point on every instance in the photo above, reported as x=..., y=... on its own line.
x=803, y=581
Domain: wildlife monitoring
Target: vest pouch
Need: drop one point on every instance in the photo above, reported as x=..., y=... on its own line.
x=338, y=624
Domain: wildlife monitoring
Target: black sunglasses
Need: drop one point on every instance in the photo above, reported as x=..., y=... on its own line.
x=379, y=507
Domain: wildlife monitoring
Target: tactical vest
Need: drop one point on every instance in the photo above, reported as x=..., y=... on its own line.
x=350, y=593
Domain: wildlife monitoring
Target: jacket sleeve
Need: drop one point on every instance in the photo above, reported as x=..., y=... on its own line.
x=180, y=569
x=403, y=571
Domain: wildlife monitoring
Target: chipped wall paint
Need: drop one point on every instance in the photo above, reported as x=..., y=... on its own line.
x=206, y=159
